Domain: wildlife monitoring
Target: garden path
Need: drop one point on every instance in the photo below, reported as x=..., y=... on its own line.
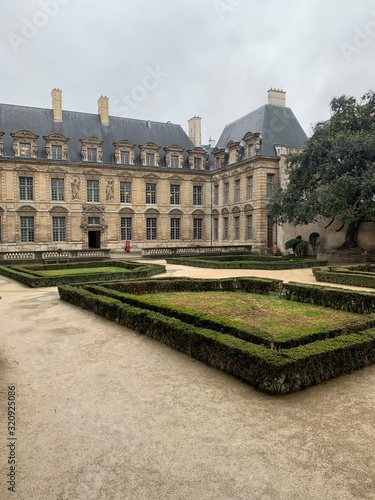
x=105, y=413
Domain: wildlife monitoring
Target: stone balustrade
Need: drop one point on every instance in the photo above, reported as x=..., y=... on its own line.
x=195, y=250
x=54, y=255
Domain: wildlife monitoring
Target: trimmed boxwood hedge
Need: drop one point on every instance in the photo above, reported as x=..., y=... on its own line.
x=167, y=284
x=335, y=298
x=28, y=275
x=346, y=276
x=223, y=325
x=240, y=257
x=270, y=263
x=34, y=268
x=276, y=372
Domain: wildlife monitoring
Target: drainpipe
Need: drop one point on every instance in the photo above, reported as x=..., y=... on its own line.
x=211, y=209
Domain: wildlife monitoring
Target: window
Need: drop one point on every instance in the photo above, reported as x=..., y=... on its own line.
x=270, y=185
x=92, y=191
x=58, y=228
x=216, y=194
x=57, y=188
x=25, y=144
x=197, y=195
x=56, y=152
x=237, y=191
x=175, y=229
x=150, y=159
x=126, y=228
x=226, y=228
x=27, y=229
x=56, y=146
x=151, y=228
x=175, y=194
x=236, y=228
x=26, y=188
x=197, y=163
x=125, y=193
x=216, y=229
x=125, y=157
x=226, y=192
x=93, y=221
x=91, y=154
x=25, y=149
x=150, y=193
x=124, y=152
x=249, y=227
x=174, y=161
x=249, y=189
x=197, y=229
x=91, y=149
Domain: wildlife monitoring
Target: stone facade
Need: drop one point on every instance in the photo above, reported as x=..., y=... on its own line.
x=72, y=180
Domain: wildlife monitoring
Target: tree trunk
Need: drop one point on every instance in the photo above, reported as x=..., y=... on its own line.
x=350, y=236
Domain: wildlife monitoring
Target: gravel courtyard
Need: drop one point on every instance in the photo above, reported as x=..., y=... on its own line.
x=106, y=413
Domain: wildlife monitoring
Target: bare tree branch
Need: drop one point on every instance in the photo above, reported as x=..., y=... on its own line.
x=332, y=221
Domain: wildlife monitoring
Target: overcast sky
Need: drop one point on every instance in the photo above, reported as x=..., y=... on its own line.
x=169, y=60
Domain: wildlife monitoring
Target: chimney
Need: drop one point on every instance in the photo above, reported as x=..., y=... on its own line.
x=57, y=104
x=276, y=97
x=195, y=131
x=212, y=143
x=103, y=109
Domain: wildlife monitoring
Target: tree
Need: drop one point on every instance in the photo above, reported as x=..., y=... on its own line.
x=334, y=175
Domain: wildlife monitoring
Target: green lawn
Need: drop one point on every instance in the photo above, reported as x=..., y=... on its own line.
x=83, y=270
x=279, y=317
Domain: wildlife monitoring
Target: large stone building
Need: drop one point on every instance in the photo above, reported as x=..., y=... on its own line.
x=72, y=180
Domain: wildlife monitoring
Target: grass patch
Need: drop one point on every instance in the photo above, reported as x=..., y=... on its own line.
x=75, y=272
x=280, y=318
x=207, y=326
x=41, y=275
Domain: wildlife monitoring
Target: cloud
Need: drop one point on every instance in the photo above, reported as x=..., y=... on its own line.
x=221, y=57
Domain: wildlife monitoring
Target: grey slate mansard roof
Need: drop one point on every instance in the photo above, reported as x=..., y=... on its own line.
x=76, y=126
x=277, y=125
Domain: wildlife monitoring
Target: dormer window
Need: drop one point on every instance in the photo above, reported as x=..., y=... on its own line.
x=1, y=144
x=234, y=150
x=24, y=144
x=149, y=154
x=219, y=157
x=91, y=149
x=196, y=158
x=124, y=152
x=150, y=159
x=174, y=156
x=174, y=161
x=252, y=144
x=92, y=154
x=25, y=149
x=197, y=163
x=56, y=152
x=56, y=147
x=125, y=157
